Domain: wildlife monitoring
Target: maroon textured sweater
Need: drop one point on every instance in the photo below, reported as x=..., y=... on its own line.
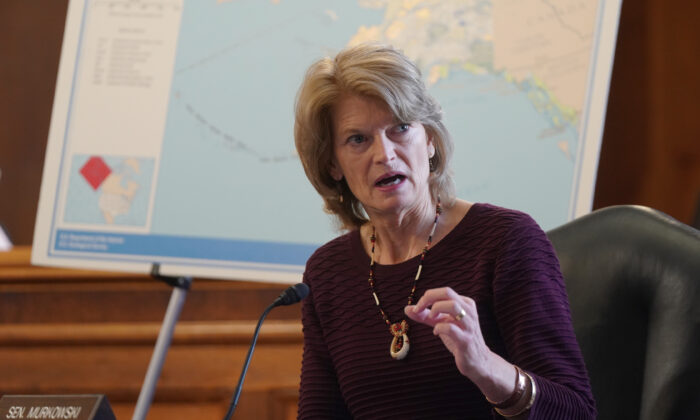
x=498, y=257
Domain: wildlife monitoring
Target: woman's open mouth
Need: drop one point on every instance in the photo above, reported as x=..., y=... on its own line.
x=390, y=180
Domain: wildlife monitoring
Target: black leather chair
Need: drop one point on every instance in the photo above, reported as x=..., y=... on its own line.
x=633, y=278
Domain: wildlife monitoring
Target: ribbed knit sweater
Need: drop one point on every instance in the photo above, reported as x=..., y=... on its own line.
x=498, y=257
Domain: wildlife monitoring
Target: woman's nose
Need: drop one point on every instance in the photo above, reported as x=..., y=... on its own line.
x=383, y=149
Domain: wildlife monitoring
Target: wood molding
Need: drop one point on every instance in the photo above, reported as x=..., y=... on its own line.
x=186, y=333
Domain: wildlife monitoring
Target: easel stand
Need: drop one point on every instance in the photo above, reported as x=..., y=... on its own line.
x=181, y=285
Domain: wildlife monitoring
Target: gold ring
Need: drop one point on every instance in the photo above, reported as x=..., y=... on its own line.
x=460, y=315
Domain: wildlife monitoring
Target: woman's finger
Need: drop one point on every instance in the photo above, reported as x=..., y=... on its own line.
x=456, y=309
x=424, y=316
x=453, y=337
x=448, y=329
x=434, y=295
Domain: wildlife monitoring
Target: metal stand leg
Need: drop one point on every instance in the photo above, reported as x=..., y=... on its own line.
x=177, y=299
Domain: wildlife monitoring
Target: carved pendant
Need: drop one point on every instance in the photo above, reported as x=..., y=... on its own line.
x=400, y=344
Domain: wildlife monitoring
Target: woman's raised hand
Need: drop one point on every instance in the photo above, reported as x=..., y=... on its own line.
x=455, y=320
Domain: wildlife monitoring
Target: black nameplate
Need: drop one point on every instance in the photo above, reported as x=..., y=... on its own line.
x=76, y=407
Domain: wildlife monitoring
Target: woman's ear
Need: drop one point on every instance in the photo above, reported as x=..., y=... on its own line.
x=431, y=147
x=335, y=172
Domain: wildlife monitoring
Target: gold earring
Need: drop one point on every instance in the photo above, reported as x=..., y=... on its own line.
x=339, y=187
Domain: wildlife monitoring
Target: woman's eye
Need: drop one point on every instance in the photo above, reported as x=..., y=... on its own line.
x=402, y=127
x=356, y=139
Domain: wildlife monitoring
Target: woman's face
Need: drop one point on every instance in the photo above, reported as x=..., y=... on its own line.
x=384, y=161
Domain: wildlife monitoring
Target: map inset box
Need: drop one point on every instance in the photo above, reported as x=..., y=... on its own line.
x=109, y=190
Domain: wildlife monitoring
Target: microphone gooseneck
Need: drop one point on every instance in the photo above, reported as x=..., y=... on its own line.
x=290, y=296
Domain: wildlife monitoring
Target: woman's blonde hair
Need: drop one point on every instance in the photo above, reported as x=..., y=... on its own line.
x=378, y=72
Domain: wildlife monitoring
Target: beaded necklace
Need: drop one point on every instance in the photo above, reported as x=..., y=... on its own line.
x=400, y=344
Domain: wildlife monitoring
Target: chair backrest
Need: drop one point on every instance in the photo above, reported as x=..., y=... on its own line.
x=633, y=278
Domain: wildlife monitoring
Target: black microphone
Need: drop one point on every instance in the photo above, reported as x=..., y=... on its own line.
x=292, y=295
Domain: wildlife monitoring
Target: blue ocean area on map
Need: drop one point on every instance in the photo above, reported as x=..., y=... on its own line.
x=228, y=144
x=229, y=168
x=493, y=124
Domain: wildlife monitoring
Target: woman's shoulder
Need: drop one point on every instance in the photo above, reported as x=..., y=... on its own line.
x=490, y=219
x=492, y=230
x=516, y=230
x=336, y=251
x=483, y=229
x=502, y=215
x=332, y=264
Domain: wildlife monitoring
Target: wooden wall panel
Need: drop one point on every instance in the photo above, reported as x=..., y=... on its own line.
x=74, y=331
x=30, y=46
x=674, y=63
x=651, y=147
x=624, y=153
x=51, y=295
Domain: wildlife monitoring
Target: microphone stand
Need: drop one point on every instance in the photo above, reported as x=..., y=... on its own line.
x=181, y=285
x=292, y=295
x=237, y=394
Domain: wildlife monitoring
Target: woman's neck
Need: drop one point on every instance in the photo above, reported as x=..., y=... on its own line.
x=401, y=236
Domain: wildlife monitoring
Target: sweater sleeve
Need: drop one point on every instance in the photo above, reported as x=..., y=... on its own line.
x=532, y=311
x=319, y=393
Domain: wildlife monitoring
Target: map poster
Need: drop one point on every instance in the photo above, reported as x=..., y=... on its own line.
x=171, y=134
